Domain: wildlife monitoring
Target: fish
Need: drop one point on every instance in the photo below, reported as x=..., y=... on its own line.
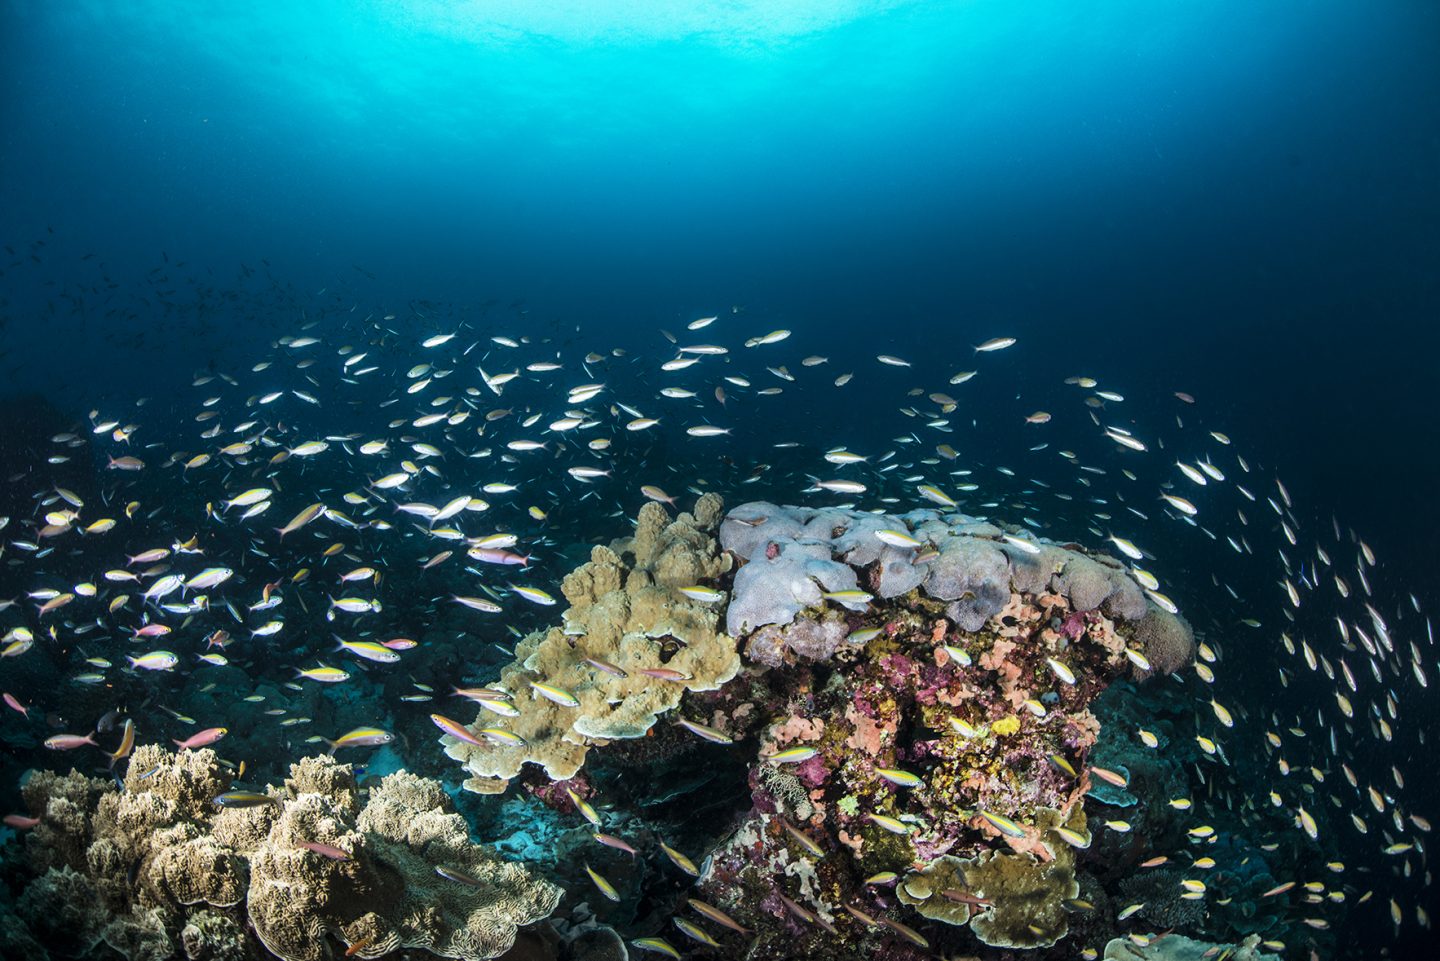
x=704, y=731
x=1001, y=823
x=243, y=799
x=899, y=778
x=202, y=738
x=361, y=737
x=455, y=729
x=329, y=851
x=715, y=914
x=305, y=517
x=155, y=661
x=679, y=860
x=554, y=694
x=477, y=604
x=369, y=650
x=604, y=886
x=1062, y=672
x=806, y=842
x=656, y=946
x=695, y=932
x=458, y=876
x=534, y=595
x=705, y=595
x=888, y=823
x=323, y=674
x=611, y=841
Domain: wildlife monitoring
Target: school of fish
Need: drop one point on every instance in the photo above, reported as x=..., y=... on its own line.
x=260, y=522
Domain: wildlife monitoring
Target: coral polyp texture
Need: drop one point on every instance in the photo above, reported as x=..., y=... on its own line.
x=630, y=645
x=159, y=869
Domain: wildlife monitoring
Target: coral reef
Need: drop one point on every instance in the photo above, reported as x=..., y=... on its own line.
x=1176, y=947
x=170, y=864
x=796, y=556
x=627, y=616
x=928, y=678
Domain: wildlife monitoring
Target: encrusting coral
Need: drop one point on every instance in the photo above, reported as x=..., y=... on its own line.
x=631, y=645
x=161, y=862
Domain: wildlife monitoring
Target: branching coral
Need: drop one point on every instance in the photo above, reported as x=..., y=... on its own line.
x=627, y=616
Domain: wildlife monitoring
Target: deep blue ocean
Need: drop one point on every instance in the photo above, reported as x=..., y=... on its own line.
x=1239, y=202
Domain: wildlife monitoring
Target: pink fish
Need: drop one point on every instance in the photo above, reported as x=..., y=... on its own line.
x=324, y=850
x=69, y=742
x=611, y=841
x=20, y=822
x=399, y=643
x=10, y=700
x=665, y=673
x=455, y=729
x=208, y=736
x=153, y=630
x=496, y=555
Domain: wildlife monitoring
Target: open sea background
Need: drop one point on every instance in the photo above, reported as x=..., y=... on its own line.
x=1237, y=200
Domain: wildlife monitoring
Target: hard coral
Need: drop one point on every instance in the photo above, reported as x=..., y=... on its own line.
x=794, y=555
x=391, y=894
x=939, y=892
x=155, y=863
x=1176, y=947
x=931, y=720
x=1026, y=898
x=627, y=611
x=1166, y=640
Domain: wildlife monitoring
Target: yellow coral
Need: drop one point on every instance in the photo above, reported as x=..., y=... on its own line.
x=627, y=611
x=1006, y=725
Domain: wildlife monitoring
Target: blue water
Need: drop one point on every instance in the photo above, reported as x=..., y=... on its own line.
x=1247, y=186
x=1233, y=199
